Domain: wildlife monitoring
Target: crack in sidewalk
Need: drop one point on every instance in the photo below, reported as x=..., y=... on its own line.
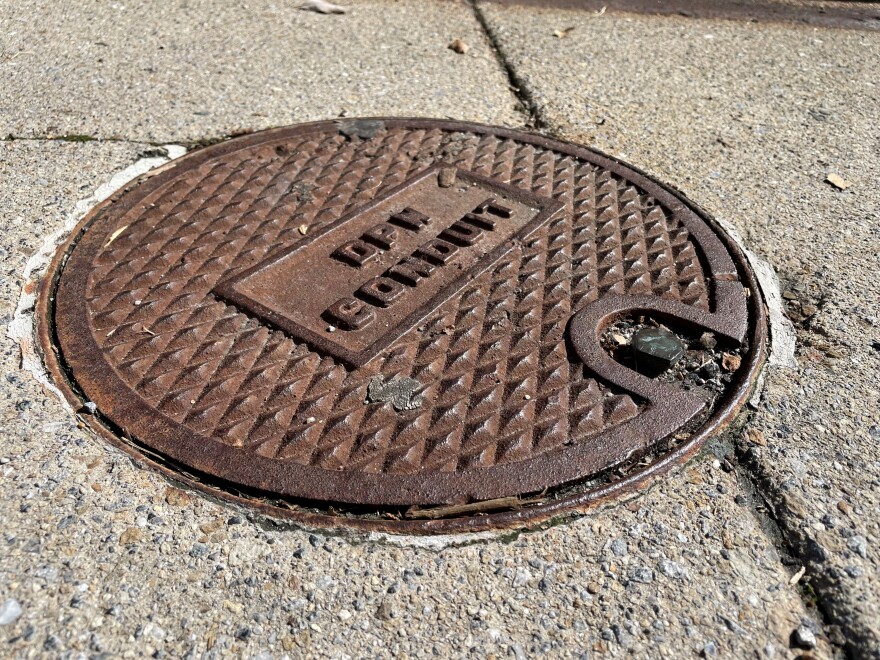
x=524, y=94
x=841, y=625
x=76, y=138
x=775, y=511
x=755, y=499
x=82, y=138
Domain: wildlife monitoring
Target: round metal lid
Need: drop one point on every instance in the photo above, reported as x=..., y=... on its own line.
x=399, y=313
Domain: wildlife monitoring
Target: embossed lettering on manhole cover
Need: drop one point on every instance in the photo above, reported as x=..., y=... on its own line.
x=422, y=326
x=381, y=269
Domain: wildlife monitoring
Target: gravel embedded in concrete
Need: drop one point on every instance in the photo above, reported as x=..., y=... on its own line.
x=106, y=557
x=748, y=121
x=170, y=72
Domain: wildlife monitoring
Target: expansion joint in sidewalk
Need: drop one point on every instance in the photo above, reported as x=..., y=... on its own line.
x=819, y=588
x=73, y=137
x=525, y=96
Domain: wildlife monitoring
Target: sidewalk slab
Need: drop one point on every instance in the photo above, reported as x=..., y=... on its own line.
x=748, y=121
x=189, y=71
x=105, y=557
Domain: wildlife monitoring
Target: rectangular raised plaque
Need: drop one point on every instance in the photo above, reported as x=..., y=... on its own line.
x=357, y=285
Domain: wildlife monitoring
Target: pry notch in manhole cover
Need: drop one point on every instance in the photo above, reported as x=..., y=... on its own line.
x=378, y=322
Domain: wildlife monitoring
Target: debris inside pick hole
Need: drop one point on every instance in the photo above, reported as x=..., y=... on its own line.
x=730, y=362
x=680, y=357
x=708, y=341
x=399, y=392
x=459, y=46
x=656, y=350
x=321, y=7
x=837, y=181
x=619, y=339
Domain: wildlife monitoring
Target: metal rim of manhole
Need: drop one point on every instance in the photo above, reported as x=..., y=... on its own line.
x=406, y=325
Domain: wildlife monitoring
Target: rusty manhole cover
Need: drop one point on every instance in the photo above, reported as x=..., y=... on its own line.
x=380, y=322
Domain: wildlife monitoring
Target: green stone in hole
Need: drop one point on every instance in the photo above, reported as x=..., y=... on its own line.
x=655, y=350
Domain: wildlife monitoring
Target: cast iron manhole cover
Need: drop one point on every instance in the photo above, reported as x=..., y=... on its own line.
x=365, y=320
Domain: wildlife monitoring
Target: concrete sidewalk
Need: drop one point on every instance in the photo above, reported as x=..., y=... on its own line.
x=746, y=119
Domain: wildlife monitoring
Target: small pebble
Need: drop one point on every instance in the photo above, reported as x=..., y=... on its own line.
x=858, y=544
x=642, y=574
x=756, y=436
x=459, y=46
x=9, y=612
x=708, y=341
x=804, y=638
x=656, y=350
x=709, y=370
x=619, y=339
x=672, y=570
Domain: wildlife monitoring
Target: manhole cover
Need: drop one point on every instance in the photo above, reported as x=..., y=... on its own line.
x=383, y=321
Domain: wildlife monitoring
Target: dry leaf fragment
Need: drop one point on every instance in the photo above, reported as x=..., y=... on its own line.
x=303, y=229
x=730, y=362
x=115, y=235
x=562, y=34
x=459, y=46
x=837, y=181
x=322, y=7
